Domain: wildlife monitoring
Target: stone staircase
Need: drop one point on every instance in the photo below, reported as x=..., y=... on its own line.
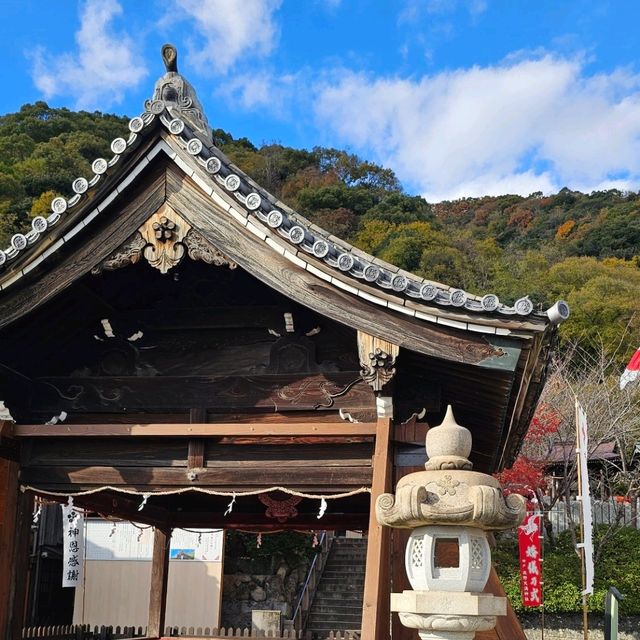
x=337, y=605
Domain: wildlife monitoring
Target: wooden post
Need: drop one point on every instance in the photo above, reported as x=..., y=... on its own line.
x=399, y=579
x=376, y=600
x=20, y=565
x=8, y=514
x=195, y=454
x=159, y=582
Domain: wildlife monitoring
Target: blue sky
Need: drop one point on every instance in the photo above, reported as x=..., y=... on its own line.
x=459, y=97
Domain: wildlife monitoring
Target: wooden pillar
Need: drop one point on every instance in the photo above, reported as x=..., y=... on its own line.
x=8, y=512
x=376, y=600
x=159, y=582
x=399, y=579
x=16, y=510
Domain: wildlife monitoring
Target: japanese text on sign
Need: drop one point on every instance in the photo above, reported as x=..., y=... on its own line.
x=530, y=561
x=73, y=546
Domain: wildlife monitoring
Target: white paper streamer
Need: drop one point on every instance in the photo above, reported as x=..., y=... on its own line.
x=145, y=497
x=230, y=505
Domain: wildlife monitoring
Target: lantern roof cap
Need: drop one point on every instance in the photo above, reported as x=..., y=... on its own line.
x=448, y=445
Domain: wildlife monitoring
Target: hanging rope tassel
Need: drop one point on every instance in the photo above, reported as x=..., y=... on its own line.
x=323, y=508
x=230, y=505
x=259, y=541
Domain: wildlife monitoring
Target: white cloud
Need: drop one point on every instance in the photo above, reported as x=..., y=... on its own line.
x=523, y=125
x=104, y=66
x=264, y=91
x=229, y=30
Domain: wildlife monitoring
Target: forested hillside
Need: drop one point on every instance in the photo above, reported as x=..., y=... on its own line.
x=584, y=248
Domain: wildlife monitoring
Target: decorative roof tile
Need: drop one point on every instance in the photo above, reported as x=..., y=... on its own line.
x=176, y=106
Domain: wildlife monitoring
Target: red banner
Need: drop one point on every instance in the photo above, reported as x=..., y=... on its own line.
x=530, y=561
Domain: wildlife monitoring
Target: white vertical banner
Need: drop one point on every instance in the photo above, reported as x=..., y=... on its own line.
x=585, y=497
x=72, y=545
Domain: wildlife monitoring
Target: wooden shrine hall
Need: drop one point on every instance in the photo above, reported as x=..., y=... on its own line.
x=173, y=334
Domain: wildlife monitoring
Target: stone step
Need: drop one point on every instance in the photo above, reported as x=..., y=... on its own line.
x=337, y=605
x=339, y=590
x=354, y=598
x=351, y=558
x=323, y=634
x=333, y=625
x=356, y=551
x=331, y=572
x=338, y=572
x=334, y=621
x=344, y=608
x=330, y=622
x=348, y=581
x=348, y=558
x=336, y=546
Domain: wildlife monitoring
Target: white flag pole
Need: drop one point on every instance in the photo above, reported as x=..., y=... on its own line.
x=584, y=498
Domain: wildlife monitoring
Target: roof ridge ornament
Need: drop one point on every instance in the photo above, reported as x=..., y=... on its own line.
x=170, y=58
x=176, y=94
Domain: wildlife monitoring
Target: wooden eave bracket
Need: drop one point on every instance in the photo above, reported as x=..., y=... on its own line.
x=377, y=360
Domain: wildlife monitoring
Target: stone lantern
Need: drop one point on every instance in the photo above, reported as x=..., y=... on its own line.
x=450, y=508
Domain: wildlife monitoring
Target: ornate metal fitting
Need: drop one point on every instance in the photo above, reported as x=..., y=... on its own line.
x=164, y=229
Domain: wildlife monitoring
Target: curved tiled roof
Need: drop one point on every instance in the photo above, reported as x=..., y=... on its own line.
x=186, y=124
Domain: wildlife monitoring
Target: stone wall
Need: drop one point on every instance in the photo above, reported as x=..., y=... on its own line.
x=569, y=627
x=244, y=592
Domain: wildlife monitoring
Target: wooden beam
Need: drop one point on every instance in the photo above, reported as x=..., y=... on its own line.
x=376, y=599
x=159, y=582
x=333, y=429
x=123, y=506
x=254, y=475
x=256, y=521
x=311, y=391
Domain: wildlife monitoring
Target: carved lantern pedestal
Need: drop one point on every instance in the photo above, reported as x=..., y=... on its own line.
x=450, y=508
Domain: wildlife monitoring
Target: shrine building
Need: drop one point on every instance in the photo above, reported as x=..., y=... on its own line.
x=173, y=333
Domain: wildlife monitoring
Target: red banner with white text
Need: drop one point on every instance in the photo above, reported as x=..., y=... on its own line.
x=530, y=561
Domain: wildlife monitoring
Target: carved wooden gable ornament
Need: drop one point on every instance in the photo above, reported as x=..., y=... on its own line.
x=163, y=240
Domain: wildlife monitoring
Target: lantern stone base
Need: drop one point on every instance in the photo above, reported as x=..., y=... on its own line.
x=447, y=615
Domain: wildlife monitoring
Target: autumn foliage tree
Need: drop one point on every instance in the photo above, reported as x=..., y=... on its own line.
x=527, y=474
